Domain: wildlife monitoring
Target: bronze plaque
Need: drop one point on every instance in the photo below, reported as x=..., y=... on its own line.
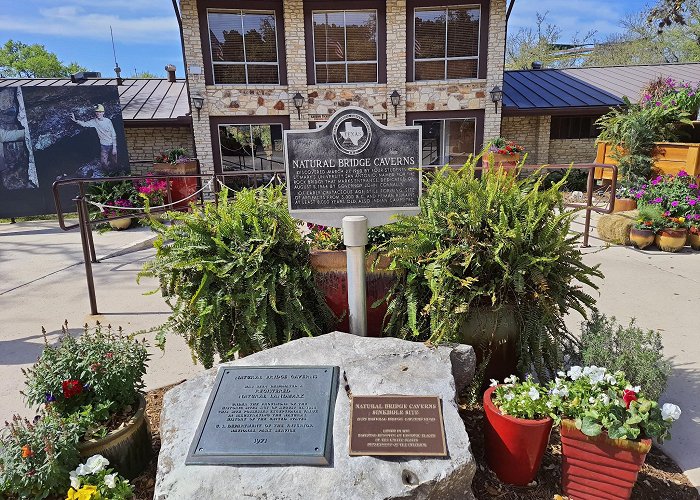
x=397, y=425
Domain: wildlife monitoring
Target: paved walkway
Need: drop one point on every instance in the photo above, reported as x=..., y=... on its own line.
x=42, y=282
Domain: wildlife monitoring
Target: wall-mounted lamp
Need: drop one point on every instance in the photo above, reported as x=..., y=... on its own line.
x=496, y=96
x=198, y=103
x=298, y=100
x=395, y=100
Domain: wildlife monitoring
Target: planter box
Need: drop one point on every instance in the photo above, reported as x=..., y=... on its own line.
x=180, y=189
x=669, y=158
x=506, y=162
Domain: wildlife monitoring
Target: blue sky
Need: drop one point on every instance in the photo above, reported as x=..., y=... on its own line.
x=146, y=34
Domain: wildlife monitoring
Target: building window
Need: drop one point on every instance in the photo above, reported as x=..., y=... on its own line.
x=448, y=141
x=446, y=43
x=251, y=147
x=345, y=46
x=243, y=46
x=573, y=127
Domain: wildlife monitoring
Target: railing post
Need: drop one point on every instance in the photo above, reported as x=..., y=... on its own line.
x=91, y=242
x=84, y=224
x=589, y=203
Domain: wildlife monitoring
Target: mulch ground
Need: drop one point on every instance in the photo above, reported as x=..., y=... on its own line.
x=660, y=478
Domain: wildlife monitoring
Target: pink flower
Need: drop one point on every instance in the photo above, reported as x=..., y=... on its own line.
x=674, y=204
x=682, y=173
x=692, y=202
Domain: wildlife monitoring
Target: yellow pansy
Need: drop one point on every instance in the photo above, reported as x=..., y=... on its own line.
x=681, y=219
x=72, y=495
x=87, y=492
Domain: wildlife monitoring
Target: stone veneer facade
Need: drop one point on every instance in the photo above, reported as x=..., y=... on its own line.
x=144, y=143
x=323, y=100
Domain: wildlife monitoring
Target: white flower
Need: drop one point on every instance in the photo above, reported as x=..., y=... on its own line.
x=510, y=380
x=605, y=398
x=494, y=383
x=534, y=394
x=634, y=389
x=110, y=480
x=670, y=412
x=575, y=372
x=74, y=480
x=561, y=374
x=562, y=391
x=594, y=374
x=610, y=379
x=509, y=397
x=95, y=464
x=549, y=404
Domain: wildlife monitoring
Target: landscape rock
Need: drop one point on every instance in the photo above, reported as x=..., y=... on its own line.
x=373, y=366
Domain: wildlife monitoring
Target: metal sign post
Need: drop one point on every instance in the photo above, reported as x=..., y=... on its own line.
x=353, y=173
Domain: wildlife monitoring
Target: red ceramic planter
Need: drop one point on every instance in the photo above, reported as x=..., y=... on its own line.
x=599, y=468
x=514, y=446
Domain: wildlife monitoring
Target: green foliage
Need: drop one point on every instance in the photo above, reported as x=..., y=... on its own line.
x=100, y=370
x=575, y=179
x=650, y=218
x=521, y=399
x=331, y=238
x=491, y=241
x=20, y=60
x=637, y=352
x=237, y=276
x=35, y=458
x=676, y=195
x=93, y=479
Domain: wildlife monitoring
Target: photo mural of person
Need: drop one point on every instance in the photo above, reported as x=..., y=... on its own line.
x=69, y=132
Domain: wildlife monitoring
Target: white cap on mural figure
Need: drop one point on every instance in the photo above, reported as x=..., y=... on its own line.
x=99, y=108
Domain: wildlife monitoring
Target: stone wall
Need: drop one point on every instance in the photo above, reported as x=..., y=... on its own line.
x=494, y=69
x=531, y=132
x=146, y=142
x=572, y=150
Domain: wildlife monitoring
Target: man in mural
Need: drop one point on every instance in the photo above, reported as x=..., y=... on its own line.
x=105, y=133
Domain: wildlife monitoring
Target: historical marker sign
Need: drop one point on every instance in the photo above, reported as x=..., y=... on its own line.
x=353, y=165
x=268, y=415
x=397, y=425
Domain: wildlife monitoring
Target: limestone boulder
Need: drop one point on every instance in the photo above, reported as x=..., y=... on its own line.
x=369, y=366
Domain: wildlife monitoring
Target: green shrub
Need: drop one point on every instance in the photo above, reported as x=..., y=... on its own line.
x=237, y=276
x=631, y=349
x=492, y=241
x=36, y=458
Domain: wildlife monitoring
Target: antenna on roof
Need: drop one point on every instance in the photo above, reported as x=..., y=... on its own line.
x=117, y=69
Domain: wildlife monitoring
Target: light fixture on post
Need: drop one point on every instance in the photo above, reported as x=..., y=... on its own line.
x=496, y=96
x=395, y=100
x=298, y=100
x=198, y=103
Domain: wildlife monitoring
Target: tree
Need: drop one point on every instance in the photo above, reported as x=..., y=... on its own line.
x=143, y=74
x=18, y=59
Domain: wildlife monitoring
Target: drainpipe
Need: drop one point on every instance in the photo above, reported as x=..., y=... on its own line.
x=187, y=78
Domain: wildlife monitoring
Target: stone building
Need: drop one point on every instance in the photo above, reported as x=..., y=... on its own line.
x=246, y=60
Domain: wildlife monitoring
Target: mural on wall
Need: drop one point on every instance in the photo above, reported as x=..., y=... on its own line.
x=51, y=133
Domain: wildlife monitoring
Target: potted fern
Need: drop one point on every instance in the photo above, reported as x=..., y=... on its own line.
x=483, y=254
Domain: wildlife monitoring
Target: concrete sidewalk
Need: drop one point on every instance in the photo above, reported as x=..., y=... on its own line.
x=42, y=283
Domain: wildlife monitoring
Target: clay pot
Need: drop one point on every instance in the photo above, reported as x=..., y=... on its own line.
x=514, y=446
x=495, y=332
x=624, y=204
x=330, y=275
x=505, y=162
x=599, y=467
x=120, y=224
x=128, y=449
x=671, y=240
x=694, y=240
x=642, y=238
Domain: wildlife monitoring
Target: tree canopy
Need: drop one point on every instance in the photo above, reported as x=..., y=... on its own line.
x=18, y=59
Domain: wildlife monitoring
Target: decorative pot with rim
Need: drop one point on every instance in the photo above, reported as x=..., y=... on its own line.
x=506, y=162
x=624, y=204
x=642, y=238
x=671, y=240
x=694, y=238
x=121, y=223
x=514, y=446
x=128, y=448
x=180, y=188
x=598, y=467
x=330, y=274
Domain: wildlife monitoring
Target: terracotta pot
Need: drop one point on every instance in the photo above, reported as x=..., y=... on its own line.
x=120, y=224
x=694, y=241
x=330, y=274
x=180, y=188
x=642, y=238
x=671, y=240
x=624, y=204
x=493, y=332
x=595, y=468
x=128, y=449
x=506, y=162
x=514, y=446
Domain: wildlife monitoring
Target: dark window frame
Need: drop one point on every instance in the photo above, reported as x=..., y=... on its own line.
x=324, y=5
x=412, y=5
x=227, y=5
x=476, y=114
x=573, y=127
x=215, y=121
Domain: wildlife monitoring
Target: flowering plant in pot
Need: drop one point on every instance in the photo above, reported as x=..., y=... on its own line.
x=606, y=430
x=122, y=205
x=517, y=427
x=644, y=229
x=672, y=234
x=502, y=153
x=694, y=231
x=625, y=198
x=93, y=480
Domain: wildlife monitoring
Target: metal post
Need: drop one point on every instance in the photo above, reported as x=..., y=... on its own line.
x=589, y=203
x=91, y=242
x=83, y=221
x=355, y=239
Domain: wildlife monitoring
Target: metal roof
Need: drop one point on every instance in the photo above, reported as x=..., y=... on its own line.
x=145, y=101
x=558, y=91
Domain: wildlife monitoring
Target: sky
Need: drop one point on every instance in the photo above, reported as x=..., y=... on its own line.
x=146, y=33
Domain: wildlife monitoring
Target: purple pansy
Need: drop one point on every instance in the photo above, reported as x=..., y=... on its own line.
x=693, y=186
x=50, y=397
x=658, y=199
x=674, y=204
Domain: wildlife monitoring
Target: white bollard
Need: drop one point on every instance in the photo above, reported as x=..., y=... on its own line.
x=355, y=239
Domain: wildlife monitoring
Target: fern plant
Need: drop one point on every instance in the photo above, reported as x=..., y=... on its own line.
x=493, y=241
x=237, y=277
